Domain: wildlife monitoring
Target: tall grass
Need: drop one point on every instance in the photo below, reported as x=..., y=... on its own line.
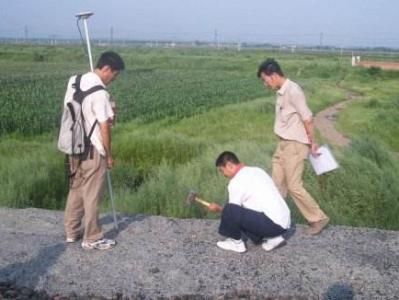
x=166, y=188
x=364, y=191
x=374, y=113
x=32, y=174
x=178, y=109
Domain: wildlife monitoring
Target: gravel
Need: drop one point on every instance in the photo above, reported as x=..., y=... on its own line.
x=158, y=257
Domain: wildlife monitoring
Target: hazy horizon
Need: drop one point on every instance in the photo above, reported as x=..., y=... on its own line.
x=304, y=22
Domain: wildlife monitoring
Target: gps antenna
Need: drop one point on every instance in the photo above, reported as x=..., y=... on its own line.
x=84, y=16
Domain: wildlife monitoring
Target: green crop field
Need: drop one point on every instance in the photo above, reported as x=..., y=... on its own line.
x=178, y=109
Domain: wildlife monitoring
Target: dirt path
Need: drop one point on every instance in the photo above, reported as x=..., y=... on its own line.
x=326, y=119
x=385, y=65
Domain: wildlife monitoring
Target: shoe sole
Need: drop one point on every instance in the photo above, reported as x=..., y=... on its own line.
x=310, y=232
x=231, y=249
x=71, y=240
x=97, y=248
x=240, y=252
x=282, y=244
x=74, y=239
x=103, y=246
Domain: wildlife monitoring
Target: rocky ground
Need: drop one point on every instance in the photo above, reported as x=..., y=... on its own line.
x=158, y=257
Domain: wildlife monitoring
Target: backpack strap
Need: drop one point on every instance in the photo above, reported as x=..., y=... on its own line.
x=92, y=129
x=72, y=111
x=91, y=91
x=80, y=95
x=84, y=95
x=78, y=91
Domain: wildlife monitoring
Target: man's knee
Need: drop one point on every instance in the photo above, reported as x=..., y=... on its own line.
x=295, y=188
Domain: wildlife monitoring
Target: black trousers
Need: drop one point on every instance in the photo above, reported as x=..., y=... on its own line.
x=236, y=220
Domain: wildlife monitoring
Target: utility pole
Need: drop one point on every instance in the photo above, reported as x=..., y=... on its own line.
x=25, y=33
x=111, y=39
x=216, y=39
x=53, y=39
x=321, y=39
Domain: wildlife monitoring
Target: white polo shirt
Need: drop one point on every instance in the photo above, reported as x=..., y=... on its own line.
x=253, y=188
x=96, y=106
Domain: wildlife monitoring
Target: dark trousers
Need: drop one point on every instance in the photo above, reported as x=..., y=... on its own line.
x=236, y=220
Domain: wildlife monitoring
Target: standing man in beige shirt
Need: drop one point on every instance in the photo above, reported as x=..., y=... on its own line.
x=294, y=127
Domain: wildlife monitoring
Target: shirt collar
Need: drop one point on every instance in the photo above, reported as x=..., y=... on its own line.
x=284, y=87
x=239, y=168
x=97, y=78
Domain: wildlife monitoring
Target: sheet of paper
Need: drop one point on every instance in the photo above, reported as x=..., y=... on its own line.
x=325, y=162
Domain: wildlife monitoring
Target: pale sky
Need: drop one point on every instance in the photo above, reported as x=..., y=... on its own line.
x=312, y=22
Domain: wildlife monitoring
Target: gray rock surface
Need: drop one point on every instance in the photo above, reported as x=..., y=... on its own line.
x=158, y=257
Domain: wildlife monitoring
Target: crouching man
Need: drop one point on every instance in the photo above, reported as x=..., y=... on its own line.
x=255, y=207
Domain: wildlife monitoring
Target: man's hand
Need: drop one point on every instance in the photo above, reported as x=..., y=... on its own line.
x=313, y=150
x=214, y=207
x=309, y=132
x=112, y=120
x=110, y=162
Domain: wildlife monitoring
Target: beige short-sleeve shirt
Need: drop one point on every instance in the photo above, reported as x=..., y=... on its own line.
x=291, y=111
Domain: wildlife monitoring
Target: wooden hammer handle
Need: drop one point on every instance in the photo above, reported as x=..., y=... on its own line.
x=203, y=202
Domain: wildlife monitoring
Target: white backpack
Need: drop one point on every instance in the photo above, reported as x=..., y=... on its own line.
x=73, y=139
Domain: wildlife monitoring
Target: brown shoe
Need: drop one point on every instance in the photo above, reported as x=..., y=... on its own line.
x=317, y=227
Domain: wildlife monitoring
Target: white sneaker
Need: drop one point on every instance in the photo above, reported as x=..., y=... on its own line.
x=273, y=243
x=109, y=241
x=232, y=245
x=71, y=240
x=102, y=244
x=75, y=238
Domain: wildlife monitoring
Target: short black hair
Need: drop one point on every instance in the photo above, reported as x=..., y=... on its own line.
x=111, y=59
x=270, y=66
x=226, y=156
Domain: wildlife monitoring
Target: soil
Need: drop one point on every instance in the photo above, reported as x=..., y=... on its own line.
x=325, y=122
x=379, y=64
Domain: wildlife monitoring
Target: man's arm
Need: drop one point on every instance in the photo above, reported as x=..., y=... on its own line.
x=305, y=113
x=310, y=133
x=214, y=207
x=105, y=130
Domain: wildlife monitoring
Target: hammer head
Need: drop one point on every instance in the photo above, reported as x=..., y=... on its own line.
x=191, y=197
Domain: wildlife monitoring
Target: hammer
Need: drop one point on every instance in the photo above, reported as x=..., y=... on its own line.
x=192, y=197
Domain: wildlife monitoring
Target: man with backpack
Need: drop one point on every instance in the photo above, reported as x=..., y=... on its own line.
x=85, y=136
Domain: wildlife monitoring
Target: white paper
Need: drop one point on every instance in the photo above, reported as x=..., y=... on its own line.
x=325, y=162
